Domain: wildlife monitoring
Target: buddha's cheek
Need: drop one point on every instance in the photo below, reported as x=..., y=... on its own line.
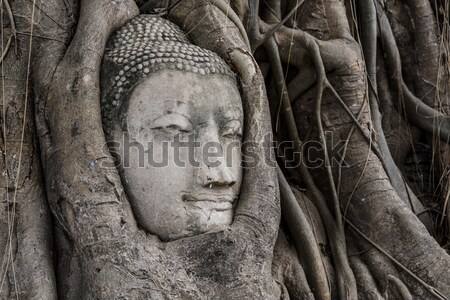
x=155, y=194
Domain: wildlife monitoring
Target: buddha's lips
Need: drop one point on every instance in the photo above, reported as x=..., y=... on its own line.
x=224, y=202
x=209, y=197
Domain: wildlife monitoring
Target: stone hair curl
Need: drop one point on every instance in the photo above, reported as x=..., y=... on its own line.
x=143, y=46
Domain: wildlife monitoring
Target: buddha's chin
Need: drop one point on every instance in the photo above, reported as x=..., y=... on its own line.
x=205, y=220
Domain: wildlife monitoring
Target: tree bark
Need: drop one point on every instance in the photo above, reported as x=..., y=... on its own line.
x=350, y=228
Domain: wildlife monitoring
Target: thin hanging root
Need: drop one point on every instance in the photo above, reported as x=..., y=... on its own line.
x=433, y=291
x=231, y=14
x=11, y=221
x=310, y=44
x=13, y=30
x=368, y=139
x=354, y=119
x=313, y=48
x=304, y=240
x=258, y=38
x=352, y=130
x=314, y=51
x=300, y=37
x=274, y=8
x=43, y=37
x=318, y=115
x=265, y=36
x=11, y=18
x=367, y=16
x=416, y=110
x=5, y=52
x=346, y=280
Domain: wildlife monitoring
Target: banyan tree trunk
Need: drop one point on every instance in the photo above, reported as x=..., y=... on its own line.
x=370, y=75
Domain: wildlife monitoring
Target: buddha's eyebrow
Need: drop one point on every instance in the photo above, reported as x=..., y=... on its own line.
x=180, y=107
x=170, y=112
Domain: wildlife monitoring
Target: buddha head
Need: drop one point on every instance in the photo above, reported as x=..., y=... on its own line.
x=174, y=114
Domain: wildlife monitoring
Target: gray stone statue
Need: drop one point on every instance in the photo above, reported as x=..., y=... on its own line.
x=174, y=111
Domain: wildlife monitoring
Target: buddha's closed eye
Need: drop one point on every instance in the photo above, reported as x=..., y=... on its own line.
x=173, y=122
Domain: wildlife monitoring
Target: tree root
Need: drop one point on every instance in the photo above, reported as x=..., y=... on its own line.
x=259, y=39
x=367, y=288
x=297, y=35
x=13, y=30
x=346, y=281
x=11, y=18
x=5, y=51
x=367, y=14
x=401, y=287
x=433, y=291
x=229, y=12
x=418, y=112
x=304, y=240
x=257, y=204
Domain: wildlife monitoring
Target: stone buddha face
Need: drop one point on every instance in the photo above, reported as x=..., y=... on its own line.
x=179, y=134
x=195, y=191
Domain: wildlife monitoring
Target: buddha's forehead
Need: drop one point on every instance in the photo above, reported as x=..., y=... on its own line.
x=189, y=94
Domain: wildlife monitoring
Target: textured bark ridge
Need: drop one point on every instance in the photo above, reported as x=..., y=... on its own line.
x=355, y=93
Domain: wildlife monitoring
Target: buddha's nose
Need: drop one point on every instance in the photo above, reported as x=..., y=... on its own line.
x=213, y=171
x=216, y=176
